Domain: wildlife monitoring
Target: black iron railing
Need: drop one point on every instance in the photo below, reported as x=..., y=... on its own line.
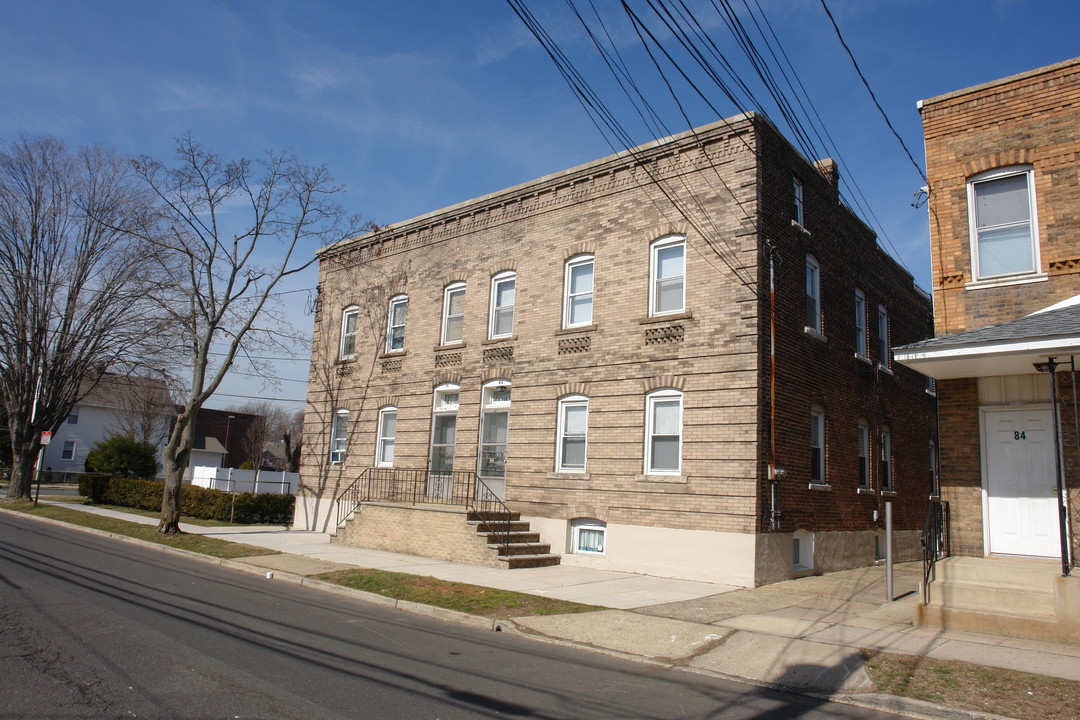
x=428, y=487
x=934, y=540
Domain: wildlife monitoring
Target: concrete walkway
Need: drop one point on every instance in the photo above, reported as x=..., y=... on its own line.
x=805, y=634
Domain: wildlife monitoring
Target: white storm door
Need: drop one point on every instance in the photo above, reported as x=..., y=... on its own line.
x=1021, y=483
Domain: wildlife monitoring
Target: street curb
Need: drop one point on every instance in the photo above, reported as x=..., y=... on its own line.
x=909, y=707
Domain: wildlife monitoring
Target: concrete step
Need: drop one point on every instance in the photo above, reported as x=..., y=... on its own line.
x=479, y=516
x=521, y=548
x=514, y=562
x=1010, y=624
x=998, y=572
x=985, y=597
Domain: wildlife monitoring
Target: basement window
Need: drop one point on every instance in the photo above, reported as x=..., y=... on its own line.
x=802, y=551
x=587, y=536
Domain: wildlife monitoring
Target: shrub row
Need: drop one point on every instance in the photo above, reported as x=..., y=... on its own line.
x=241, y=508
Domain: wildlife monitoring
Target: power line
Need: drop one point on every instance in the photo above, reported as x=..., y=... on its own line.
x=872, y=96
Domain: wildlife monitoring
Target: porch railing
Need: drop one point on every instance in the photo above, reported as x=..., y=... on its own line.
x=934, y=540
x=427, y=487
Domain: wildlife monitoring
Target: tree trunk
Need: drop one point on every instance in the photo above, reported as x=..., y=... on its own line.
x=22, y=473
x=174, y=463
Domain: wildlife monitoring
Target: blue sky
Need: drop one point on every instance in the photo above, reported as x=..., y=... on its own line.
x=418, y=105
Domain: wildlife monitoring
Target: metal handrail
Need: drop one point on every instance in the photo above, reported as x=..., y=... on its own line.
x=934, y=540
x=429, y=487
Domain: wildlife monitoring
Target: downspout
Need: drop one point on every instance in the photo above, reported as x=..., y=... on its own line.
x=774, y=479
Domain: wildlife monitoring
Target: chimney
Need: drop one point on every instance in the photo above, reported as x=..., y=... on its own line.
x=831, y=172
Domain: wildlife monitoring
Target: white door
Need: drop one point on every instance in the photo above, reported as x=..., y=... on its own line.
x=1021, y=483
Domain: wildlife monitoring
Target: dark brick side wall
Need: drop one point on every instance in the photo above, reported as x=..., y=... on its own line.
x=826, y=372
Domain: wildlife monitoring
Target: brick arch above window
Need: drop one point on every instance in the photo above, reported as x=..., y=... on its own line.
x=581, y=248
x=574, y=388
x=497, y=373
x=665, y=381
x=575, y=512
x=452, y=278
x=505, y=266
x=445, y=378
x=665, y=230
x=1000, y=159
x=386, y=401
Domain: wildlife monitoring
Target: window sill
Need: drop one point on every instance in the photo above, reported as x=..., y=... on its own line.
x=800, y=228
x=566, y=475
x=658, y=478
x=497, y=340
x=450, y=346
x=1006, y=281
x=826, y=487
x=393, y=354
x=884, y=368
x=864, y=359
x=864, y=491
x=666, y=318
x=816, y=334
x=346, y=359
x=577, y=329
x=888, y=493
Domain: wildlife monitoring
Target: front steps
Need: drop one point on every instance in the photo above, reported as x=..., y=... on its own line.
x=523, y=549
x=1006, y=596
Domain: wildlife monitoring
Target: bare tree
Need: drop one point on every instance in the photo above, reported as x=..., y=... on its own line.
x=222, y=272
x=144, y=408
x=262, y=431
x=73, y=284
x=291, y=431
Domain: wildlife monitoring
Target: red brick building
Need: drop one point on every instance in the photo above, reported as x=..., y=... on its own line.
x=595, y=349
x=1003, y=160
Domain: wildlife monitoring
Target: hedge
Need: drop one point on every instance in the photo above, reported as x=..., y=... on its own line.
x=240, y=508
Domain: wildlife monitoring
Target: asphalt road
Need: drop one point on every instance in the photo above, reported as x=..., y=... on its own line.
x=93, y=627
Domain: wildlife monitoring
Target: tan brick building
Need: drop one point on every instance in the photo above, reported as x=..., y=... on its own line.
x=1003, y=160
x=593, y=348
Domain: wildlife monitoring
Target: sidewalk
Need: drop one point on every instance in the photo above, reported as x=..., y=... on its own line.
x=803, y=634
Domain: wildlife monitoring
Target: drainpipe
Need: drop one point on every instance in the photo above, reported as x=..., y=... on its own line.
x=774, y=473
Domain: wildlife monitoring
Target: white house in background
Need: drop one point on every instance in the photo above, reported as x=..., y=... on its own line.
x=206, y=452
x=118, y=404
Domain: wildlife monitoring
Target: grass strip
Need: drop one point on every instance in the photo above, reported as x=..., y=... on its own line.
x=965, y=685
x=473, y=599
x=188, y=541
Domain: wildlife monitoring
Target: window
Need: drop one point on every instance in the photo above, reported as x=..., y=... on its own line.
x=349, y=318
x=573, y=432
x=813, y=294
x=883, y=337
x=68, y=453
x=502, y=305
x=668, y=270
x=444, y=428
x=885, y=464
x=817, y=445
x=494, y=424
x=578, y=304
x=587, y=536
x=384, y=446
x=395, y=323
x=864, y=455
x=861, y=341
x=802, y=550
x=797, y=210
x=663, y=445
x=339, y=429
x=453, y=313
x=1001, y=212
x=73, y=416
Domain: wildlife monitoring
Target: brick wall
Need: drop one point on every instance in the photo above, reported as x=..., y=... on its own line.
x=1031, y=119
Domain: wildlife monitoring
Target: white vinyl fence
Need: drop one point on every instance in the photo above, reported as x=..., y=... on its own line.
x=253, y=481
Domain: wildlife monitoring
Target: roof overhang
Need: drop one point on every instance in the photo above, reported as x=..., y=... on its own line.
x=987, y=359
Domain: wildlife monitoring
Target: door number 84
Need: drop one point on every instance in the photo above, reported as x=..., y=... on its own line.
x=1019, y=435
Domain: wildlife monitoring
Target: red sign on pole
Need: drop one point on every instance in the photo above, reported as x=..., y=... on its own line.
x=46, y=437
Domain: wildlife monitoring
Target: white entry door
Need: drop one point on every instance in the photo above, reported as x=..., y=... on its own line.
x=1021, y=482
